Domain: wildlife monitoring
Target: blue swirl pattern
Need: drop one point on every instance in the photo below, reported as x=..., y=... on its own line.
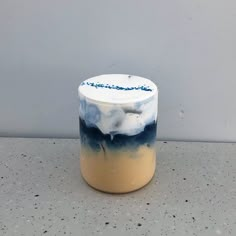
x=90, y=113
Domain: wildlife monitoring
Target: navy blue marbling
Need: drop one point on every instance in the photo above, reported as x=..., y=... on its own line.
x=89, y=112
x=92, y=115
x=96, y=140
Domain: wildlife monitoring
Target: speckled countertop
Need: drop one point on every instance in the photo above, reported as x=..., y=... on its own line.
x=42, y=192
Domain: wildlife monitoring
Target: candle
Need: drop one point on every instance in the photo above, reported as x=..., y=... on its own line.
x=118, y=121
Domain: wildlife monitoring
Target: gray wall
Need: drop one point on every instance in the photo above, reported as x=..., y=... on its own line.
x=187, y=47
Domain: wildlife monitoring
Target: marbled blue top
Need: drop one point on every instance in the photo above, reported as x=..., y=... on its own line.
x=118, y=104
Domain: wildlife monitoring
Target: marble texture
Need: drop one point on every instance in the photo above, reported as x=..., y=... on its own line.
x=118, y=104
x=93, y=138
x=193, y=192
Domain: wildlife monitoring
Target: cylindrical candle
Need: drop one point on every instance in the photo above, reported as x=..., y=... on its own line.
x=118, y=121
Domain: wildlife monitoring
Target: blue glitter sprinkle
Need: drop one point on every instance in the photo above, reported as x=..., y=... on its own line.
x=116, y=87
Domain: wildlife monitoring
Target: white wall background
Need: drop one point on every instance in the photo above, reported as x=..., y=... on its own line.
x=48, y=47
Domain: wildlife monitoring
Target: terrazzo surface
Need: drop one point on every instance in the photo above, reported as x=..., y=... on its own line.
x=42, y=192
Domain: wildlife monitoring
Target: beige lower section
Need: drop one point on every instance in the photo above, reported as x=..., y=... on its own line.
x=118, y=171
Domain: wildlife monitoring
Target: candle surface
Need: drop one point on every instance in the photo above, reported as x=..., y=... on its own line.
x=118, y=123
